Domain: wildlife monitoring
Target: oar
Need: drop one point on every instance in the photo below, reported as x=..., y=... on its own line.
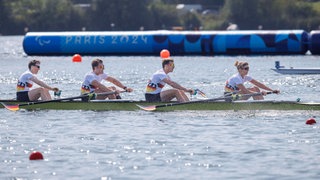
x=16, y=107
x=200, y=92
x=233, y=97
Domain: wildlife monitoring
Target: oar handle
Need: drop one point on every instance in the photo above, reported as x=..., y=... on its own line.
x=231, y=98
x=108, y=93
x=238, y=96
x=90, y=95
x=274, y=92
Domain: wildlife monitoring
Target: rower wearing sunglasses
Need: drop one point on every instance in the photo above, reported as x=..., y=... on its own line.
x=235, y=84
x=25, y=83
x=93, y=83
x=159, y=79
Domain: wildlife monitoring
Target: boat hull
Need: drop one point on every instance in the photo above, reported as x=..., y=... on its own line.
x=127, y=105
x=296, y=71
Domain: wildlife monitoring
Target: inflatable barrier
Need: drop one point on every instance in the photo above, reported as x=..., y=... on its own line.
x=314, y=42
x=177, y=42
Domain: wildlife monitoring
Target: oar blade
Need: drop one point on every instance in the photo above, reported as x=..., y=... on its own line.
x=202, y=94
x=147, y=108
x=11, y=107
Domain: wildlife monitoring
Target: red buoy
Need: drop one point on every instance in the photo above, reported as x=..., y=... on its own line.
x=35, y=155
x=311, y=121
x=76, y=58
x=164, y=54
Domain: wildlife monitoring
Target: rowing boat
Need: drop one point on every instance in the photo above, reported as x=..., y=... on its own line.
x=292, y=70
x=131, y=105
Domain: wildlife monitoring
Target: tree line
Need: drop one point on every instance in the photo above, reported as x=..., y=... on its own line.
x=20, y=16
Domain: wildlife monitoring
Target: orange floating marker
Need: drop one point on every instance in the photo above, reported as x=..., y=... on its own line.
x=164, y=54
x=311, y=121
x=76, y=58
x=35, y=155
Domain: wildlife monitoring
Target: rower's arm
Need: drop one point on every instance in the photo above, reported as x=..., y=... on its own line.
x=177, y=86
x=260, y=85
x=118, y=83
x=42, y=84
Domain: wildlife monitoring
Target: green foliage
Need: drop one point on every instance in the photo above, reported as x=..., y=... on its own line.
x=18, y=16
x=119, y=15
x=164, y=15
x=4, y=19
x=271, y=14
x=44, y=15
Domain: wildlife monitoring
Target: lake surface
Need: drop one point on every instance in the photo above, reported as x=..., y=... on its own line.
x=159, y=145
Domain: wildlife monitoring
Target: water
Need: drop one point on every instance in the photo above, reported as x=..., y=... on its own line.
x=159, y=145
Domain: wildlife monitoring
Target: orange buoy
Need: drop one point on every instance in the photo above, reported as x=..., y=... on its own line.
x=35, y=155
x=164, y=54
x=76, y=58
x=311, y=121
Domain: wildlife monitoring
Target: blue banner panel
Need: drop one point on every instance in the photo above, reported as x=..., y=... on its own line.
x=177, y=42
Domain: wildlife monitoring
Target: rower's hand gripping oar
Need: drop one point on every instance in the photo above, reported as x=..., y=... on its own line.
x=233, y=97
x=16, y=107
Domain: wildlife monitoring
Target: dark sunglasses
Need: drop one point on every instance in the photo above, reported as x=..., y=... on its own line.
x=246, y=68
x=101, y=66
x=37, y=66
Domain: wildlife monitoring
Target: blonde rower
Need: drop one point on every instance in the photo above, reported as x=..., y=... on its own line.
x=236, y=83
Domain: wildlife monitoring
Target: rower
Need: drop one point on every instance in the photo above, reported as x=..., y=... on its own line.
x=92, y=82
x=235, y=84
x=159, y=79
x=25, y=83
